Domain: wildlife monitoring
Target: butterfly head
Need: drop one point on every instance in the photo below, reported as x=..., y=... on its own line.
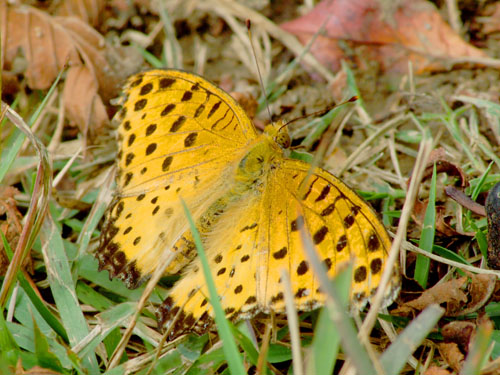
x=278, y=131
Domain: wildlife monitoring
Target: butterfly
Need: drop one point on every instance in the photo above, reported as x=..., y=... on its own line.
x=181, y=136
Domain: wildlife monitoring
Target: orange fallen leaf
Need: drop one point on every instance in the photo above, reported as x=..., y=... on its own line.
x=434, y=370
x=415, y=32
x=452, y=355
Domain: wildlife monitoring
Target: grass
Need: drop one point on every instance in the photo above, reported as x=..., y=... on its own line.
x=68, y=317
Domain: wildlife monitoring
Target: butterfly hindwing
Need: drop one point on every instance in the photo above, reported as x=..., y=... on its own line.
x=247, y=255
x=231, y=248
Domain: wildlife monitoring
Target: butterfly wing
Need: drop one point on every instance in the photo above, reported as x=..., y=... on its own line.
x=178, y=136
x=343, y=229
x=263, y=236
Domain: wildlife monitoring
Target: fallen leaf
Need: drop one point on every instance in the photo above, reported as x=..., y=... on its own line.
x=89, y=11
x=442, y=219
x=452, y=355
x=415, y=32
x=461, y=296
x=459, y=332
x=444, y=165
x=480, y=290
x=11, y=227
x=449, y=291
x=434, y=370
x=439, y=158
x=47, y=44
x=490, y=19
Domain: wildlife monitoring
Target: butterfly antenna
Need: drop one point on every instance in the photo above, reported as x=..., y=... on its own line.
x=322, y=112
x=249, y=25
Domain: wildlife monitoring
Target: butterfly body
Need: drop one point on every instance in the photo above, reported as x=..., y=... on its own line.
x=182, y=137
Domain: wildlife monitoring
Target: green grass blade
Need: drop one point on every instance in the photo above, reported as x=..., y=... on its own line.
x=231, y=351
x=63, y=288
x=10, y=155
x=117, y=316
x=45, y=357
x=478, y=353
x=326, y=340
x=35, y=299
x=427, y=236
x=9, y=351
x=396, y=355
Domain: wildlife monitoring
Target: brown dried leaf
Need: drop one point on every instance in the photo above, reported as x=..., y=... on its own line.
x=491, y=18
x=439, y=158
x=461, y=296
x=442, y=219
x=449, y=291
x=83, y=103
x=480, y=289
x=48, y=45
x=88, y=11
x=443, y=165
x=415, y=32
x=11, y=227
x=460, y=333
x=434, y=370
x=452, y=355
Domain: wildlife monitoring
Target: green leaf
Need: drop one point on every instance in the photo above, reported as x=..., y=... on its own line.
x=427, y=236
x=45, y=357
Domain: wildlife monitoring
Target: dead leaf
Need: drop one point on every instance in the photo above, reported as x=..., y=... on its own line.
x=11, y=227
x=89, y=11
x=449, y=291
x=415, y=32
x=480, y=290
x=434, y=370
x=440, y=158
x=460, y=333
x=490, y=18
x=461, y=296
x=82, y=101
x=95, y=70
x=452, y=355
x=442, y=219
x=444, y=165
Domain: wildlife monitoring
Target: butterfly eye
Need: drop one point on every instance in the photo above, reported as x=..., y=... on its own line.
x=283, y=139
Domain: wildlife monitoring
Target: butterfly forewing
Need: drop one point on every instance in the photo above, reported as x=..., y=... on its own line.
x=178, y=134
